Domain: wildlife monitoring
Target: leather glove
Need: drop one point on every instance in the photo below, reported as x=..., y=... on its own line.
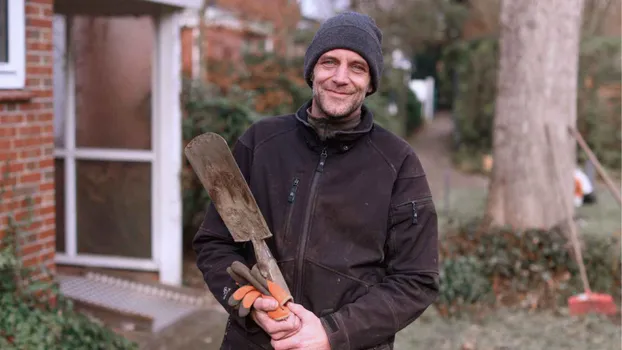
x=253, y=285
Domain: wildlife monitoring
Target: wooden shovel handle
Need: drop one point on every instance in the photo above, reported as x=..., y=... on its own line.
x=594, y=160
x=268, y=267
x=574, y=235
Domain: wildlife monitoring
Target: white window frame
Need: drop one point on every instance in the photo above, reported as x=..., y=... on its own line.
x=13, y=73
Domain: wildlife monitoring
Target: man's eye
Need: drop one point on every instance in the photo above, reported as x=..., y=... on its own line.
x=329, y=63
x=358, y=68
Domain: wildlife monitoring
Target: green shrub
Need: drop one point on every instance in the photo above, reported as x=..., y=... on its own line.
x=475, y=64
x=33, y=312
x=532, y=268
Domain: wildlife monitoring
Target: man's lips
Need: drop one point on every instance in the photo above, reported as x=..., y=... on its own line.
x=339, y=93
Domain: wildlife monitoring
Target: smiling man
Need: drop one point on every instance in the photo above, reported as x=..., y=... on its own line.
x=353, y=221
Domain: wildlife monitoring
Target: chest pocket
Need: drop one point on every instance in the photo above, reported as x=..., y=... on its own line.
x=410, y=212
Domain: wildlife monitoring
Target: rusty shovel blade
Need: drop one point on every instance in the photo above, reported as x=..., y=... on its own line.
x=219, y=173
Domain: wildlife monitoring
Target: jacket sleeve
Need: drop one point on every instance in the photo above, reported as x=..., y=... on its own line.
x=216, y=250
x=411, y=282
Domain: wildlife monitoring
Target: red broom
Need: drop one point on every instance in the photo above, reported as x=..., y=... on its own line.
x=587, y=301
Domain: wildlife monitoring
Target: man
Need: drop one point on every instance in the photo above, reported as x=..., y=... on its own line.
x=353, y=221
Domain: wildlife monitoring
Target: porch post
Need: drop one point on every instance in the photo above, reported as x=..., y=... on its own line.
x=166, y=88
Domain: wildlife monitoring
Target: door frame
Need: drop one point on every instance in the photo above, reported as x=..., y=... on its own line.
x=164, y=156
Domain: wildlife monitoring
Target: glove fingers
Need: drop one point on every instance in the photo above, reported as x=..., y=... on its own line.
x=243, y=271
x=247, y=302
x=239, y=294
x=280, y=313
x=240, y=280
x=278, y=293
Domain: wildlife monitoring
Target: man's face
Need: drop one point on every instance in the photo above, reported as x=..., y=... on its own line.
x=341, y=81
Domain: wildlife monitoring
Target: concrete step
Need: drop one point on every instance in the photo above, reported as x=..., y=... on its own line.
x=131, y=305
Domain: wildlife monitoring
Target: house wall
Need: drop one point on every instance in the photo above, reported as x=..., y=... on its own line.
x=27, y=142
x=225, y=46
x=221, y=46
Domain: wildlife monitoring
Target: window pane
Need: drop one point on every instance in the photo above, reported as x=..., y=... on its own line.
x=59, y=188
x=113, y=81
x=60, y=96
x=114, y=208
x=4, y=31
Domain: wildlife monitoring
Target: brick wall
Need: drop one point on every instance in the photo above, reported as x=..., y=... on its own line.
x=27, y=142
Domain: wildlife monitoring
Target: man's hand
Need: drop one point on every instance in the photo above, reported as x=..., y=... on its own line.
x=311, y=334
x=276, y=329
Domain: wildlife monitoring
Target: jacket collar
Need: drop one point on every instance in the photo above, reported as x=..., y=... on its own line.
x=342, y=139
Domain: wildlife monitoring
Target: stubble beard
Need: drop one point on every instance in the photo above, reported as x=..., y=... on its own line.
x=340, y=111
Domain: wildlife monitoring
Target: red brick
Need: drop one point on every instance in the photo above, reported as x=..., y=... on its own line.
x=7, y=132
x=30, y=178
x=39, y=70
x=38, y=22
x=32, y=9
x=10, y=119
x=30, y=131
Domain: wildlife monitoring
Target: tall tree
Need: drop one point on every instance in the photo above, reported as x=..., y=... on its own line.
x=537, y=85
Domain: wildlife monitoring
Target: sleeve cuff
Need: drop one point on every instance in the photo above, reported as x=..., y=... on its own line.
x=337, y=337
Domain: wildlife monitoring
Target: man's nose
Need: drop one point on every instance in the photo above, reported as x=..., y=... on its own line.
x=341, y=75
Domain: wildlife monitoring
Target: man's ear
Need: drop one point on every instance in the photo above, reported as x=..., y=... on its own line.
x=369, y=88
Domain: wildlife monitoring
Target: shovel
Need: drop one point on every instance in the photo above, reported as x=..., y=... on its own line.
x=214, y=165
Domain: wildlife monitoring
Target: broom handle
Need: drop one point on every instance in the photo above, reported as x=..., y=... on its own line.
x=594, y=160
x=571, y=225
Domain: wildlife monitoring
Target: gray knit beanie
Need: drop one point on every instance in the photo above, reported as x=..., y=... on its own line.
x=352, y=31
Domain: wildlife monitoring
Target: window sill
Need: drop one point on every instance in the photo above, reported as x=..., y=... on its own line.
x=16, y=95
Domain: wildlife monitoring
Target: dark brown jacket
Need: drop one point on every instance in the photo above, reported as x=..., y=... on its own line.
x=354, y=225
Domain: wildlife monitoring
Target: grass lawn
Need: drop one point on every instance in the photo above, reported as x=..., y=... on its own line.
x=511, y=330
x=602, y=218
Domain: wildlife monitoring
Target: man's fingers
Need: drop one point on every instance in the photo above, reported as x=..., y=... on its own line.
x=266, y=304
x=298, y=310
x=286, y=344
x=290, y=325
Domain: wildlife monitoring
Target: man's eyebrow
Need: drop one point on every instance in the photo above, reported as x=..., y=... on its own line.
x=361, y=62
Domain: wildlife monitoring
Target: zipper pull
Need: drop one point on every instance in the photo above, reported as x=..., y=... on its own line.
x=320, y=166
x=414, y=204
x=292, y=192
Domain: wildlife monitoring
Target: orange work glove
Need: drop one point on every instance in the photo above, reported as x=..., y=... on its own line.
x=252, y=286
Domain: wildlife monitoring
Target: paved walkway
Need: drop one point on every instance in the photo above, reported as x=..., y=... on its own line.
x=432, y=145
x=202, y=330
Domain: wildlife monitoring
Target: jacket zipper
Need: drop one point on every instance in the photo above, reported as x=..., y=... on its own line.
x=290, y=199
x=319, y=169
x=413, y=204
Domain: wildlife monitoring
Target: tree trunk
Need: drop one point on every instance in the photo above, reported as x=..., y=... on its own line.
x=537, y=85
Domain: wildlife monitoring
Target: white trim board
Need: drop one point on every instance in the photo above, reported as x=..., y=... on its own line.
x=192, y=4
x=13, y=73
x=112, y=262
x=168, y=149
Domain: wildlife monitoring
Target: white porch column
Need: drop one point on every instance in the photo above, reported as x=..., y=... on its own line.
x=167, y=247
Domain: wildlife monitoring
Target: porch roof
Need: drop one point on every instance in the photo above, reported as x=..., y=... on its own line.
x=121, y=7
